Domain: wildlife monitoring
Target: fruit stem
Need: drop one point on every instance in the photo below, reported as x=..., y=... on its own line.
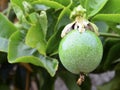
x=81, y=79
x=109, y=35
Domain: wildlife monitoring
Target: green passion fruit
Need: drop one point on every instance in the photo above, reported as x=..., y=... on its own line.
x=80, y=52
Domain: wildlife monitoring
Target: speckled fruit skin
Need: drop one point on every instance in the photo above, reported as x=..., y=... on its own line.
x=80, y=52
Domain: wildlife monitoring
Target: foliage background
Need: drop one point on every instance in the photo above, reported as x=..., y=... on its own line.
x=30, y=35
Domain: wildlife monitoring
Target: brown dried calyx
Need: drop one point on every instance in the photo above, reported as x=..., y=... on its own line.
x=81, y=24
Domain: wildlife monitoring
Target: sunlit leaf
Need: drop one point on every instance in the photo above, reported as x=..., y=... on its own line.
x=75, y=3
x=19, y=52
x=43, y=22
x=114, y=18
x=49, y=3
x=83, y=2
x=18, y=3
x=20, y=13
x=36, y=35
x=18, y=9
x=40, y=7
x=6, y=30
x=63, y=2
x=112, y=7
x=94, y=6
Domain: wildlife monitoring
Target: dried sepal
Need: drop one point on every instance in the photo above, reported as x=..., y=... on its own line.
x=80, y=24
x=67, y=29
x=94, y=28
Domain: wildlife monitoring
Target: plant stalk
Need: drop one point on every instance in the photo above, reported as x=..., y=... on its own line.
x=109, y=35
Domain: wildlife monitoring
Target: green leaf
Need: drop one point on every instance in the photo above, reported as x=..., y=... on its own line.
x=54, y=40
x=43, y=22
x=17, y=48
x=113, y=55
x=18, y=3
x=114, y=18
x=49, y=3
x=115, y=27
x=53, y=43
x=63, y=18
x=33, y=18
x=52, y=19
x=117, y=66
x=4, y=87
x=50, y=64
x=114, y=84
x=20, y=13
x=94, y=6
x=46, y=80
x=35, y=37
x=82, y=2
x=108, y=44
x=70, y=80
x=40, y=7
x=63, y=2
x=7, y=29
x=112, y=7
x=19, y=52
x=18, y=9
x=102, y=26
x=75, y=3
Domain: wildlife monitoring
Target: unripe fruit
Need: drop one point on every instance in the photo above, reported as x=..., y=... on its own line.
x=80, y=52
